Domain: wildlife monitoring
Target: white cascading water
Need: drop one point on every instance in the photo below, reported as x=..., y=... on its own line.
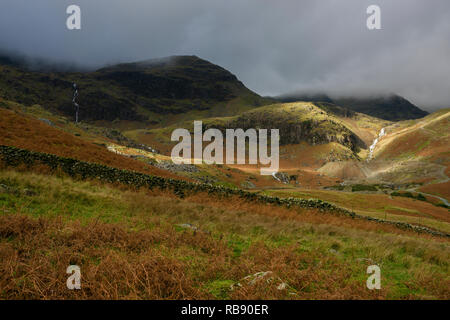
x=372, y=147
x=77, y=107
x=275, y=176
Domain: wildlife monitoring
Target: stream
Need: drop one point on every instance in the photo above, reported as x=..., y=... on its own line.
x=77, y=107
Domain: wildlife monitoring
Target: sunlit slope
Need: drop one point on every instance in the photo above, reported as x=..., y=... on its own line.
x=20, y=130
x=422, y=149
x=311, y=135
x=107, y=146
x=413, y=151
x=297, y=122
x=378, y=205
x=426, y=138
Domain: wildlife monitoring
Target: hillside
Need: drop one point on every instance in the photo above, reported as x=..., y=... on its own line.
x=22, y=131
x=302, y=122
x=389, y=107
x=421, y=146
x=150, y=242
x=321, y=143
x=38, y=130
x=411, y=160
x=104, y=194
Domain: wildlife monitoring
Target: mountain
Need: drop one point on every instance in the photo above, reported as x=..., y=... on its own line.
x=392, y=107
x=388, y=107
x=144, y=91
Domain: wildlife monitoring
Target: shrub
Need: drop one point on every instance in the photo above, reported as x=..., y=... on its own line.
x=363, y=187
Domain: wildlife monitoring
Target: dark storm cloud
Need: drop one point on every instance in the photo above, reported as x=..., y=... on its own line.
x=274, y=47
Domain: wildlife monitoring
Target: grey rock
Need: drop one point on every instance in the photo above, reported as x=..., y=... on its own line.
x=187, y=226
x=282, y=177
x=29, y=193
x=47, y=122
x=248, y=185
x=170, y=166
x=4, y=188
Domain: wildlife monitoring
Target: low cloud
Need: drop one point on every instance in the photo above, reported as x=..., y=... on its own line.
x=274, y=47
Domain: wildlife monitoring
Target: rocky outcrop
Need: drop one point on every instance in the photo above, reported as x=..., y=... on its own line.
x=46, y=121
x=294, y=131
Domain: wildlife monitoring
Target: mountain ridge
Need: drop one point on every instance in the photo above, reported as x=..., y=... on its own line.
x=141, y=91
x=148, y=90
x=390, y=106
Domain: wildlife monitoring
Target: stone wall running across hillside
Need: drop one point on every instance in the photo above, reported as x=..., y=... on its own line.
x=13, y=157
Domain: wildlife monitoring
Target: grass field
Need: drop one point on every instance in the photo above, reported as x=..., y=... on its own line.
x=379, y=205
x=148, y=244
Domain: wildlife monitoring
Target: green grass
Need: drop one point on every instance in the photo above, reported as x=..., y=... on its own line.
x=332, y=251
x=362, y=187
x=407, y=194
x=358, y=203
x=220, y=289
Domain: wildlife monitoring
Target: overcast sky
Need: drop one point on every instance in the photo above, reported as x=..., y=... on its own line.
x=274, y=47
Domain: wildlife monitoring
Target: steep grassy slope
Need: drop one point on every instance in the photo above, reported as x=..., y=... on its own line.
x=19, y=127
x=421, y=144
x=25, y=132
x=425, y=138
x=311, y=135
x=412, y=156
x=151, y=245
x=296, y=122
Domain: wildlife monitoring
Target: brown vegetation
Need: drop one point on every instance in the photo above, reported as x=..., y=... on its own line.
x=133, y=247
x=21, y=131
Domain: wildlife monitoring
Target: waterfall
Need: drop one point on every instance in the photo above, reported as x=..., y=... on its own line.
x=77, y=107
x=372, y=147
x=274, y=174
